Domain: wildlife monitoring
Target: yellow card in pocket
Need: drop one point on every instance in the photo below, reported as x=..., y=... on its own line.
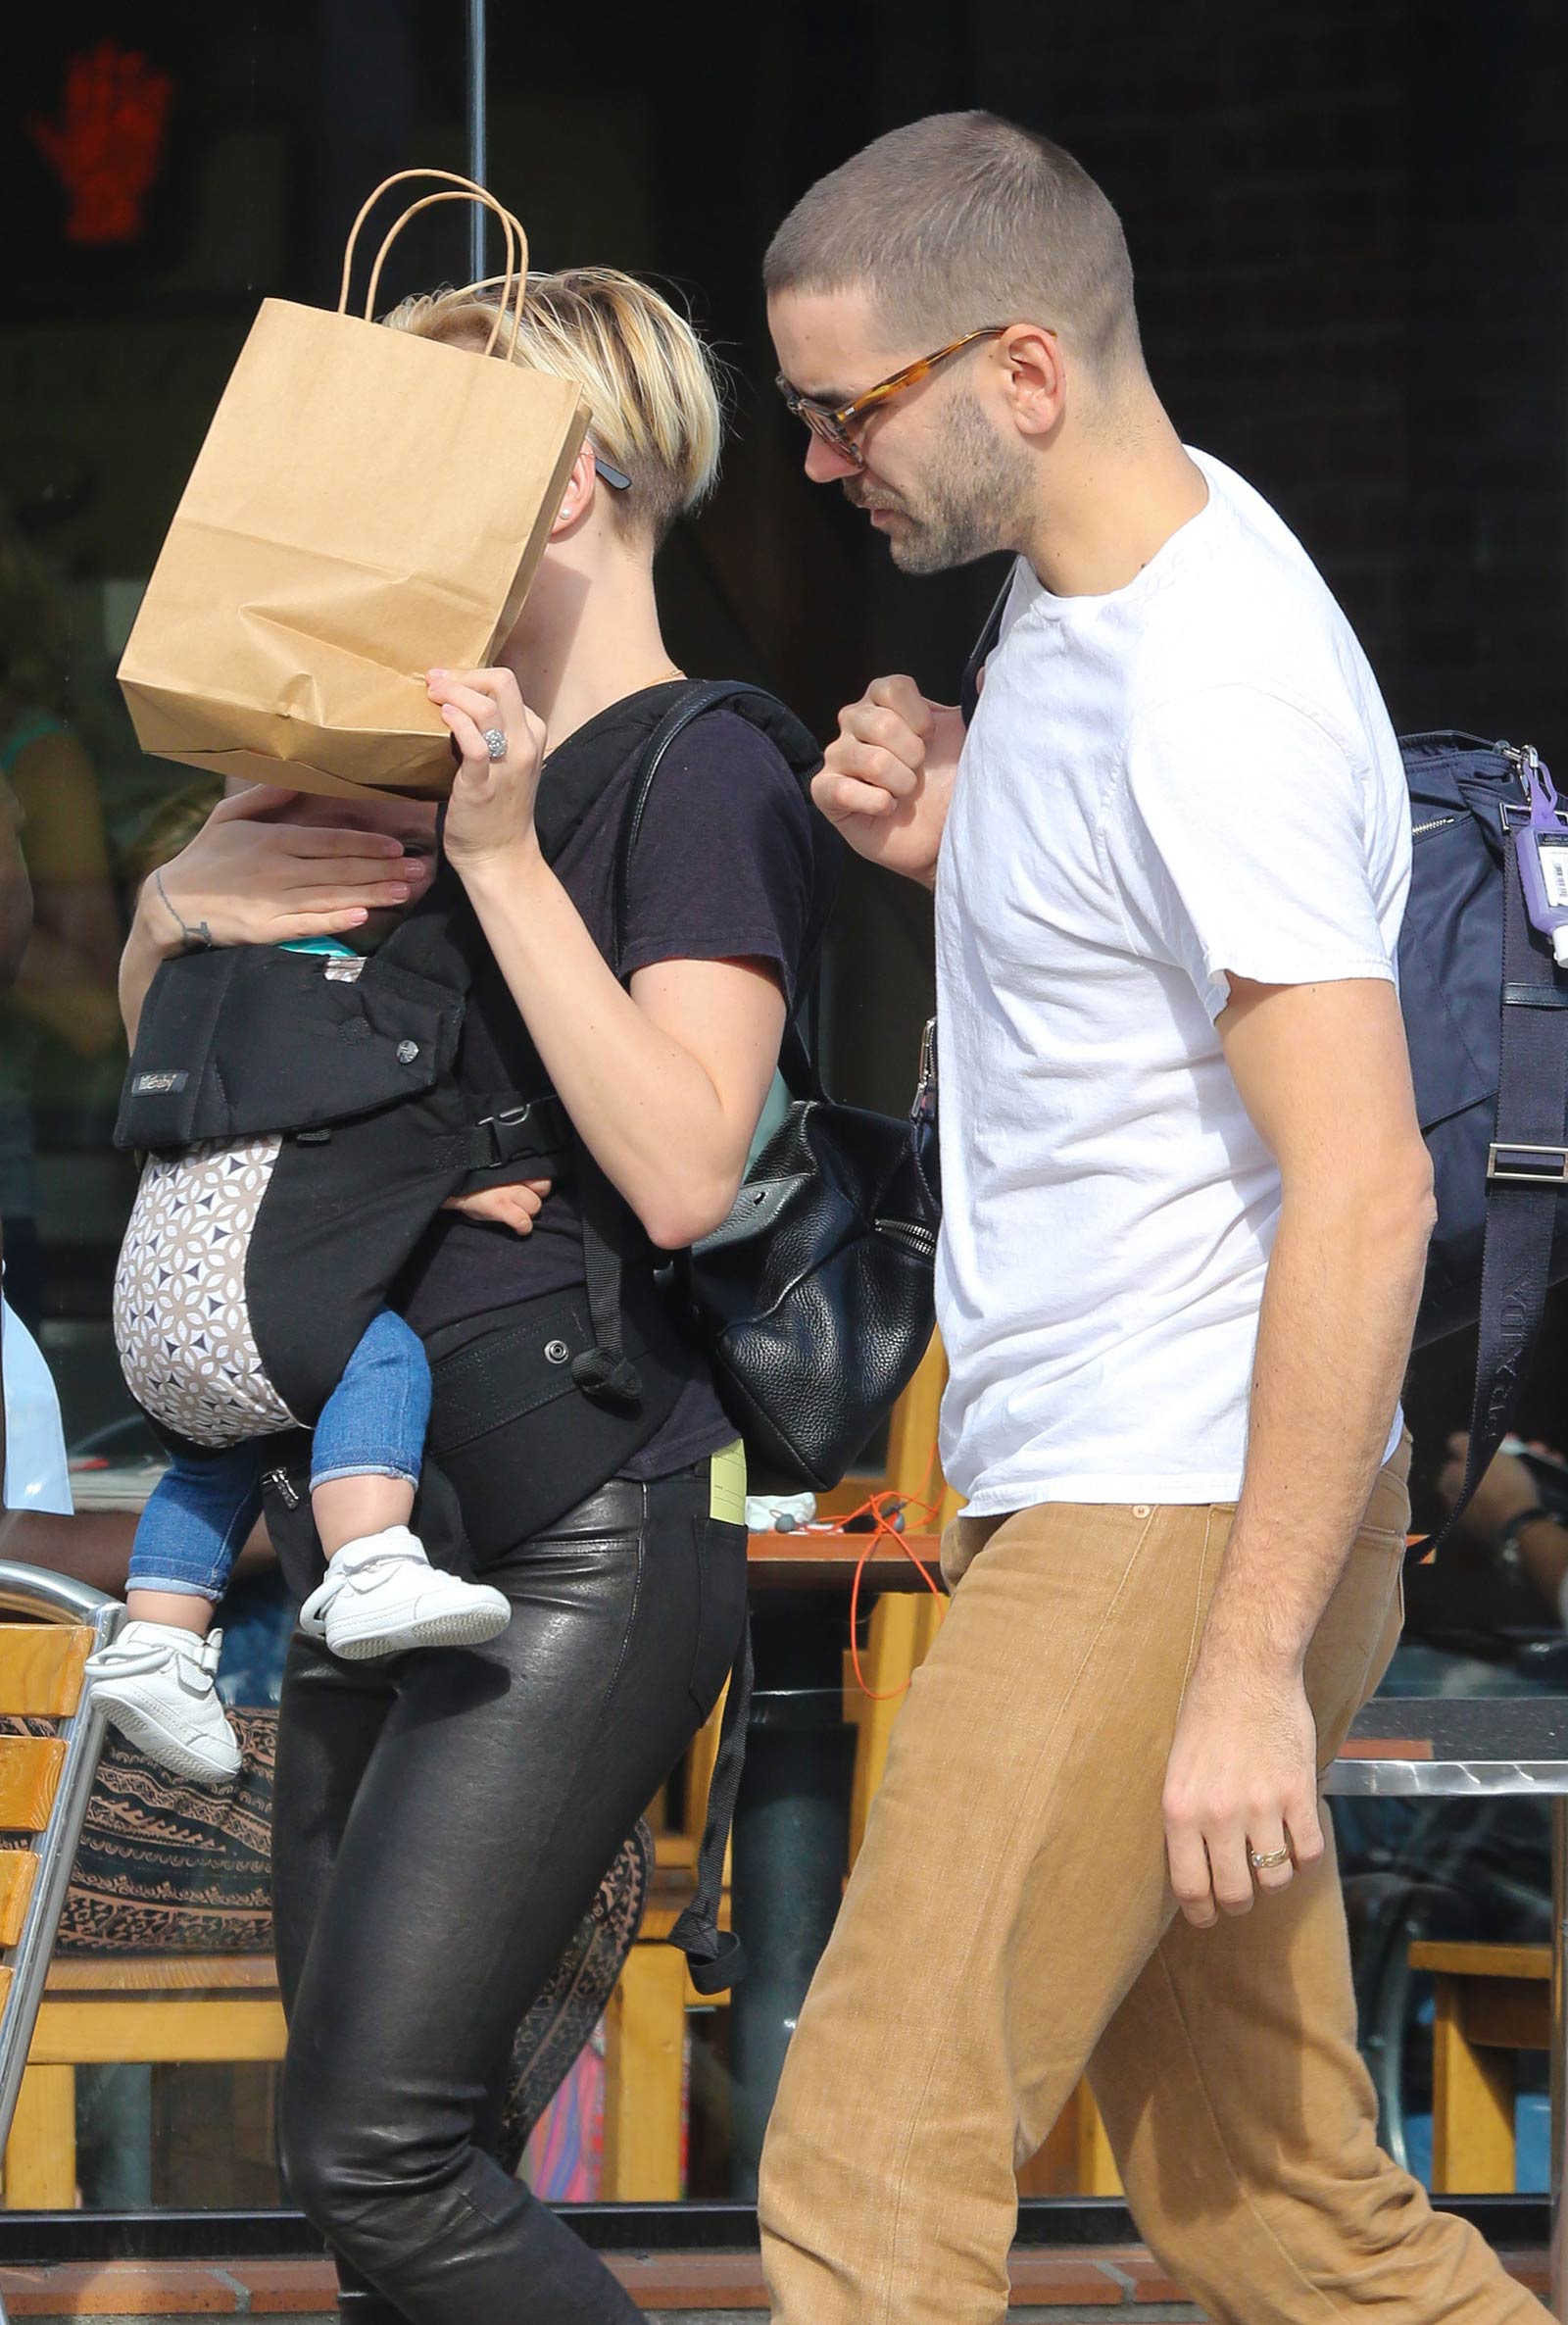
x=726, y=1490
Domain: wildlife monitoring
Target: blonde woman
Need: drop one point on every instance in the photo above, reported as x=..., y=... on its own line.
x=443, y=1820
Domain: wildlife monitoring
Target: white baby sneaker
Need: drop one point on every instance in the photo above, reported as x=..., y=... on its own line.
x=383, y=1596
x=156, y=1682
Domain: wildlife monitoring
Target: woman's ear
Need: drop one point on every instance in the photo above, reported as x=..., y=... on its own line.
x=578, y=498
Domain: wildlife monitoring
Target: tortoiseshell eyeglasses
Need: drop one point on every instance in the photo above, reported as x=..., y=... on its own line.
x=831, y=423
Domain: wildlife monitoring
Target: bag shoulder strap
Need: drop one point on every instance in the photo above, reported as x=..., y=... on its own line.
x=606, y=1370
x=969, y=687
x=797, y=1062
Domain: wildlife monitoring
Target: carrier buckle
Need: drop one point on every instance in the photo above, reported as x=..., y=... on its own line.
x=1510, y=1163
x=492, y=1129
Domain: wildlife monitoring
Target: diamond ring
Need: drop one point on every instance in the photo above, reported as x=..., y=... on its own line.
x=495, y=741
x=1264, y=1860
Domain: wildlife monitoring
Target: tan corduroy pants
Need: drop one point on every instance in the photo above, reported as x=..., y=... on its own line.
x=1009, y=1925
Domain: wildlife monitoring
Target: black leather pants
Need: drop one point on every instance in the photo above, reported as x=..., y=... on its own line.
x=443, y=1819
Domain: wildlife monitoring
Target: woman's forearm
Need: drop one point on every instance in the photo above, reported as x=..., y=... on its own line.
x=648, y=1108
x=146, y=950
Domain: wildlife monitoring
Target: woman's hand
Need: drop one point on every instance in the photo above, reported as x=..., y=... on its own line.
x=515, y=1207
x=490, y=813
x=249, y=877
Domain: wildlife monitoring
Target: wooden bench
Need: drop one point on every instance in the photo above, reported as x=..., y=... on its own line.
x=1490, y=2002
x=110, y=2010
x=44, y=1785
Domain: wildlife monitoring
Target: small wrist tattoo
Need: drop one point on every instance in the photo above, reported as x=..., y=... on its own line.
x=198, y=939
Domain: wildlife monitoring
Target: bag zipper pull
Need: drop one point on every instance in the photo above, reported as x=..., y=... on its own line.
x=924, y=1109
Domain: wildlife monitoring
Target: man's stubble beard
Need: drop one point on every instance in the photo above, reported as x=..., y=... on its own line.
x=973, y=499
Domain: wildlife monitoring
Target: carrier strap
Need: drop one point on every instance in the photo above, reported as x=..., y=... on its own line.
x=605, y=1371
x=714, y=1957
x=1527, y=1175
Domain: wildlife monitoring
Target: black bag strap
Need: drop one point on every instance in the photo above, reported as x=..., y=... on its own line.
x=715, y=1957
x=969, y=687
x=797, y=1060
x=1527, y=1173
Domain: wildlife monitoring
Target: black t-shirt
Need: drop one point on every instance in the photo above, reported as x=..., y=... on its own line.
x=731, y=864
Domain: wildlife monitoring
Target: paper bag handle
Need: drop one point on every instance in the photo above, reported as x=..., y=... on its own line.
x=516, y=268
x=516, y=242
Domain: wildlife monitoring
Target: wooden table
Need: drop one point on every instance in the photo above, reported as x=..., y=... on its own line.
x=826, y=1562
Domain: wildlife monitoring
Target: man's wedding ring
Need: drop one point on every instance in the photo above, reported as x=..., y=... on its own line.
x=495, y=741
x=1264, y=1860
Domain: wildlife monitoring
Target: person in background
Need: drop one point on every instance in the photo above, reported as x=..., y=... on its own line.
x=32, y=1447
x=1510, y=1520
x=61, y=1008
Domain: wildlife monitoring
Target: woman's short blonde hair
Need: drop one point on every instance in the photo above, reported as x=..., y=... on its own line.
x=651, y=385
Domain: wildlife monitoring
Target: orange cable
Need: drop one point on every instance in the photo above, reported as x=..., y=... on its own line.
x=875, y=1507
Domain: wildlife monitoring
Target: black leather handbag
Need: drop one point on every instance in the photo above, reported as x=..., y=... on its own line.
x=815, y=1298
x=814, y=1301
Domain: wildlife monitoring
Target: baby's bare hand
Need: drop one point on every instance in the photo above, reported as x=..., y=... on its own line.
x=515, y=1207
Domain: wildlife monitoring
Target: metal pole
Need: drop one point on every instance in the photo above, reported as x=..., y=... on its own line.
x=478, y=137
x=83, y=1738
x=1559, y=2058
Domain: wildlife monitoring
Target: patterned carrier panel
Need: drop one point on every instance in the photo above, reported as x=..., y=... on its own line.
x=182, y=1324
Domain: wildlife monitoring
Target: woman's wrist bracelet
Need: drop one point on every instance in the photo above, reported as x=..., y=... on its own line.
x=198, y=939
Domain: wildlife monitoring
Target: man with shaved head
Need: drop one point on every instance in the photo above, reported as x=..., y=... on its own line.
x=1186, y=1206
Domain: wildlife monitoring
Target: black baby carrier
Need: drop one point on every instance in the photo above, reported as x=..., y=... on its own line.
x=306, y=1116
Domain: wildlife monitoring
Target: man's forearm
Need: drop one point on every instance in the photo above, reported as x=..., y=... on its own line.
x=1334, y=1337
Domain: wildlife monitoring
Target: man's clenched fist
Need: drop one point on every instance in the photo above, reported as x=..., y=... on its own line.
x=887, y=780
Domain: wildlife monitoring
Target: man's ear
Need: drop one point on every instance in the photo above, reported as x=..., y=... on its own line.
x=1036, y=382
x=578, y=497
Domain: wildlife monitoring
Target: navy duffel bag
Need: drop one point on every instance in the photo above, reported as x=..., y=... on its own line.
x=1486, y=1014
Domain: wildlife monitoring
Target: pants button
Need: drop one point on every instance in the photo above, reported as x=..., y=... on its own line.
x=1143, y=1509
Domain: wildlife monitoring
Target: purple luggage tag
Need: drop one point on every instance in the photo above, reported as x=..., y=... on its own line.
x=1542, y=850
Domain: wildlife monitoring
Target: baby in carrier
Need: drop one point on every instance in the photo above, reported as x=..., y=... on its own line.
x=179, y=1324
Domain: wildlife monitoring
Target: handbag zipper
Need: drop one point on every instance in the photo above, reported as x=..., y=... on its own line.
x=1521, y=757
x=919, y=1240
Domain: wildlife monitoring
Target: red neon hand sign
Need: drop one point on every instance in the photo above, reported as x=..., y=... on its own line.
x=107, y=148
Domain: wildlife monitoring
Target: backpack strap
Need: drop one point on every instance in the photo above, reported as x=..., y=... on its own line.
x=1527, y=1173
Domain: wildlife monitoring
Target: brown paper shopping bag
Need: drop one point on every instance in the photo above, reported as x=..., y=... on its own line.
x=367, y=506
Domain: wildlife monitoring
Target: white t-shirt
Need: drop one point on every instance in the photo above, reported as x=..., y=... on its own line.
x=1193, y=774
